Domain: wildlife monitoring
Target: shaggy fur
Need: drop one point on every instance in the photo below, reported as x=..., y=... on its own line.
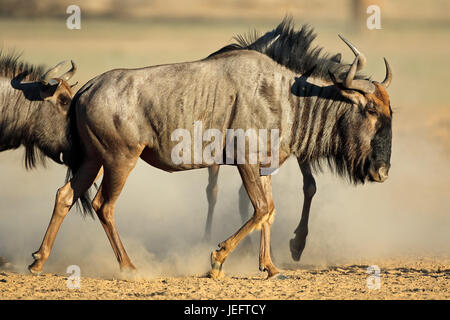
x=291, y=48
x=16, y=110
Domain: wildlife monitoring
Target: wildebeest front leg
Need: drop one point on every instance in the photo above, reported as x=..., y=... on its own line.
x=297, y=245
x=211, y=194
x=254, y=184
x=65, y=198
x=265, y=260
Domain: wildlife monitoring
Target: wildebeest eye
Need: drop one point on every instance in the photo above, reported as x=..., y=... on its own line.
x=372, y=110
x=64, y=100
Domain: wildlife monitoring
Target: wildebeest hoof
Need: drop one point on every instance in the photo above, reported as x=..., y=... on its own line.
x=296, y=251
x=216, y=268
x=34, y=272
x=215, y=264
x=216, y=274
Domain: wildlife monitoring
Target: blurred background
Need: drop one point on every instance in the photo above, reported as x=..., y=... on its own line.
x=161, y=216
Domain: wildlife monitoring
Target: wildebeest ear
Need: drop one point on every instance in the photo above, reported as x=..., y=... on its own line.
x=355, y=96
x=336, y=58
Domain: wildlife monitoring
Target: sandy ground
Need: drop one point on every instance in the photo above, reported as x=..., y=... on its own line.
x=405, y=278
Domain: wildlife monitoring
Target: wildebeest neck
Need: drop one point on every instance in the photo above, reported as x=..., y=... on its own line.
x=318, y=108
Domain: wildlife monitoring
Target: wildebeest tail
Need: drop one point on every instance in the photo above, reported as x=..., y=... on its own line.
x=75, y=159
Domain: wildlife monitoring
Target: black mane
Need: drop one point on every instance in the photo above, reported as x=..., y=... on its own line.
x=12, y=133
x=290, y=48
x=11, y=66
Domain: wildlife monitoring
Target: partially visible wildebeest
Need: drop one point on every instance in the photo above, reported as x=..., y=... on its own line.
x=33, y=109
x=324, y=112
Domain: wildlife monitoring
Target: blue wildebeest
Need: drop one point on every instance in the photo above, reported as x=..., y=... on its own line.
x=324, y=112
x=33, y=109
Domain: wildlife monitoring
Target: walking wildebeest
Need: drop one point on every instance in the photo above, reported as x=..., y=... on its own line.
x=323, y=111
x=33, y=109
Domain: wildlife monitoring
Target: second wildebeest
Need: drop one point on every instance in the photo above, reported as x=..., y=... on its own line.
x=33, y=109
x=325, y=114
x=34, y=104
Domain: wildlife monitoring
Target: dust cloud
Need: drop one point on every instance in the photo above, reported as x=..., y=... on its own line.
x=161, y=217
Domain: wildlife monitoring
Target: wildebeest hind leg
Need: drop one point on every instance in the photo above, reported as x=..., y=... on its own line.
x=65, y=198
x=114, y=178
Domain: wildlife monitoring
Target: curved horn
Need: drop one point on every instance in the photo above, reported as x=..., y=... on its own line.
x=351, y=73
x=388, y=78
x=46, y=77
x=358, y=84
x=362, y=57
x=69, y=74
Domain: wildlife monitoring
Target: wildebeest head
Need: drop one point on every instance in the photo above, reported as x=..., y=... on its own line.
x=57, y=95
x=368, y=127
x=48, y=127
